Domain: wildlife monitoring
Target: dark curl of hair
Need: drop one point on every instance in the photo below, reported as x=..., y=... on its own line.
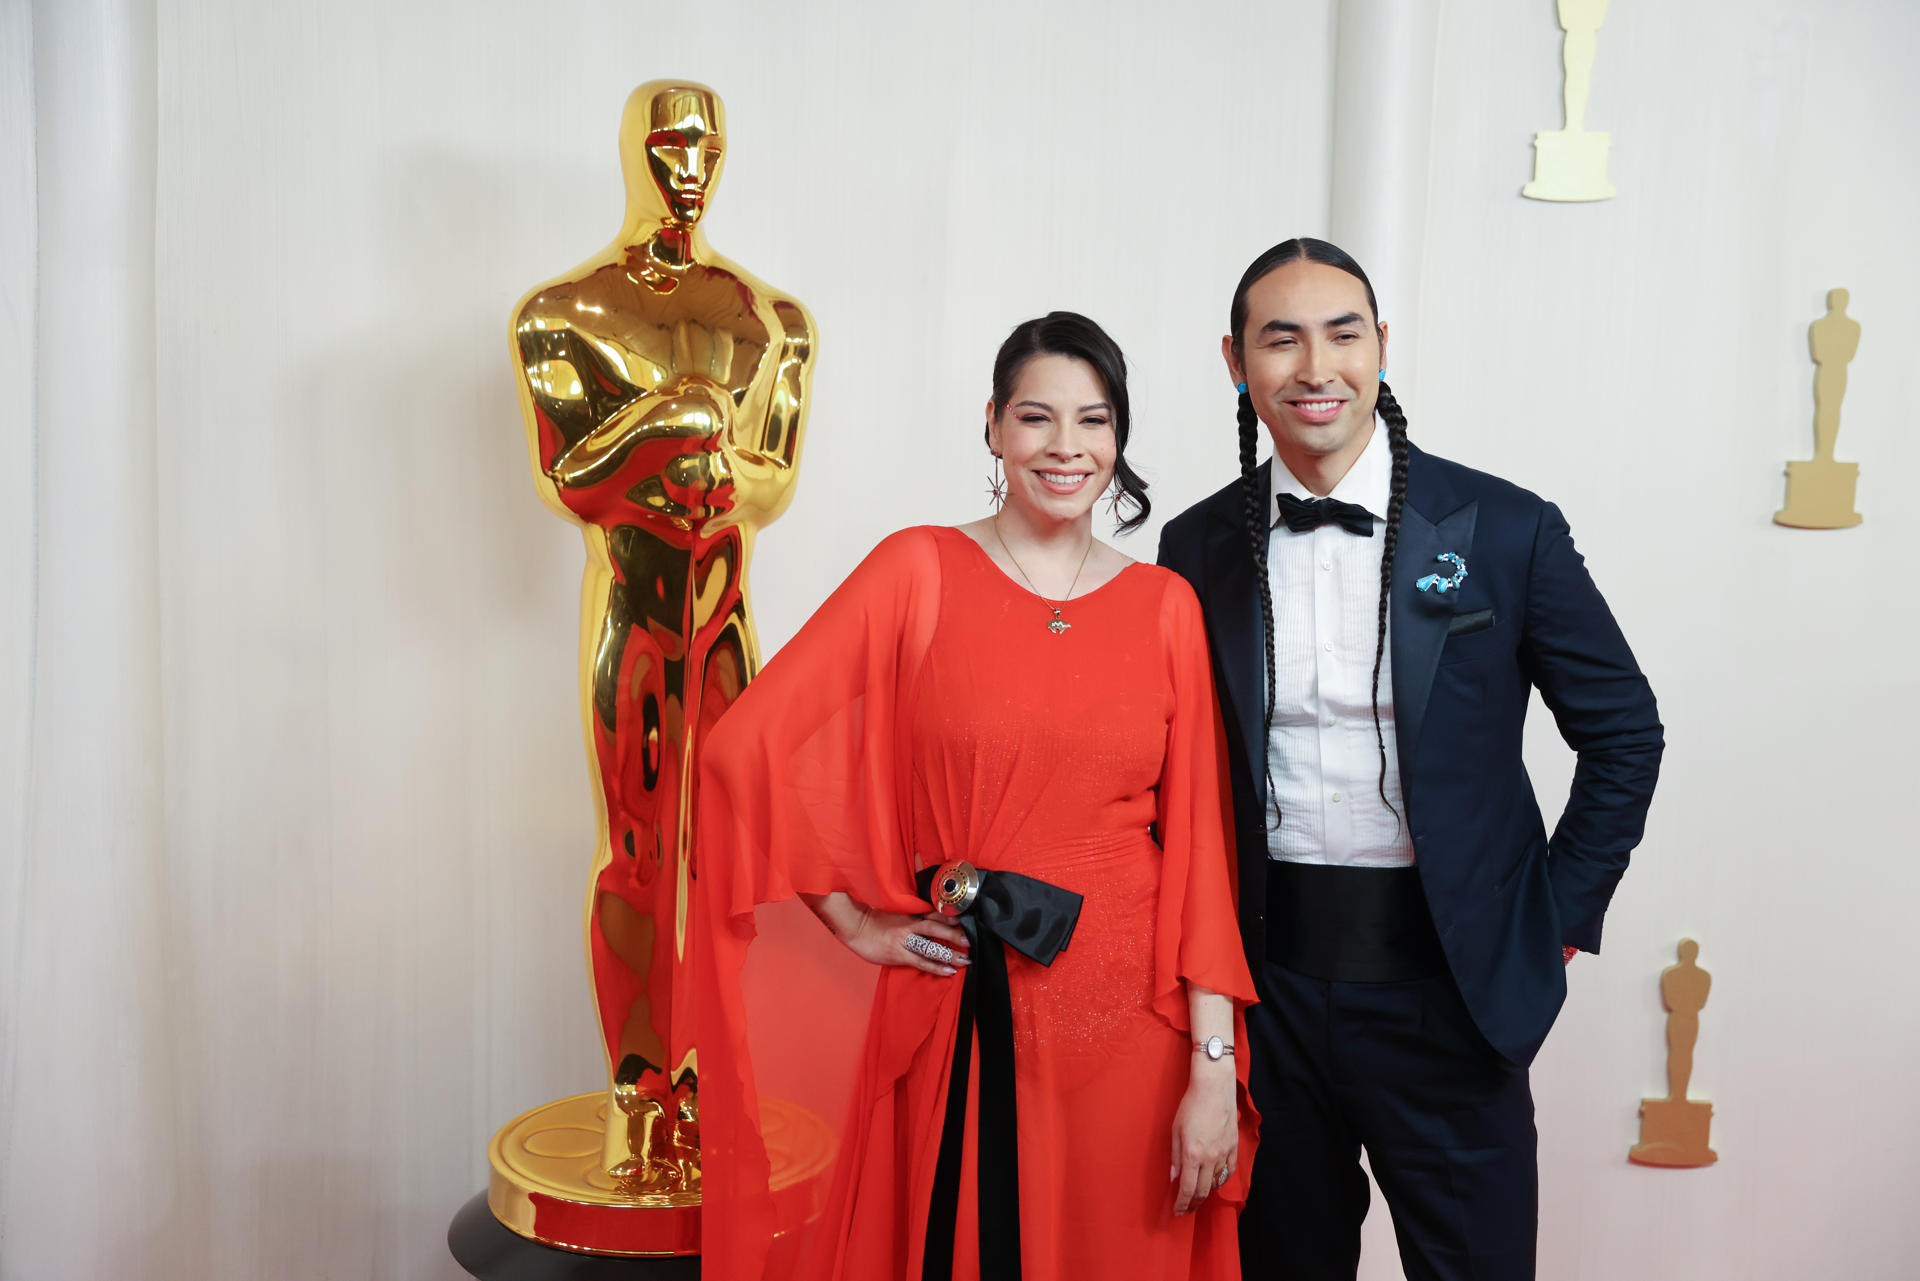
x=1259, y=520
x=1068, y=333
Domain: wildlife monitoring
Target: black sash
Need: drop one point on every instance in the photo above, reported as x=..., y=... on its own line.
x=1351, y=924
x=1035, y=919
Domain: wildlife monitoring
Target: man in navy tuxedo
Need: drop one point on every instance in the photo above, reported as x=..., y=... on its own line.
x=1378, y=619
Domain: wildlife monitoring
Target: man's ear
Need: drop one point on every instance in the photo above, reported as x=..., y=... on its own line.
x=1235, y=369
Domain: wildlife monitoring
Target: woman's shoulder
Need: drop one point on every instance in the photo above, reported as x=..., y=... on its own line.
x=1173, y=592
x=908, y=550
x=897, y=571
x=1156, y=599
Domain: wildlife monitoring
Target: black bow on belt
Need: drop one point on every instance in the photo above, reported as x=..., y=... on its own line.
x=1036, y=920
x=1304, y=515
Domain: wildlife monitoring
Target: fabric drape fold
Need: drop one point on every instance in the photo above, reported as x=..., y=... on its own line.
x=800, y=798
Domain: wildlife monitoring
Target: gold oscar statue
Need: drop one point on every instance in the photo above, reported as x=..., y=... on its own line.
x=1820, y=491
x=1570, y=164
x=1673, y=1130
x=664, y=391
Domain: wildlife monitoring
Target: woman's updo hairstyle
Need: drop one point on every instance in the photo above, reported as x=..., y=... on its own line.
x=1068, y=333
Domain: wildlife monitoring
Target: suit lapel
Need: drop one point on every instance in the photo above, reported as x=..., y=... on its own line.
x=1233, y=612
x=1432, y=522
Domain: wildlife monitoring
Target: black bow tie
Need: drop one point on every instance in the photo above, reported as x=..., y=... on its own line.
x=1303, y=515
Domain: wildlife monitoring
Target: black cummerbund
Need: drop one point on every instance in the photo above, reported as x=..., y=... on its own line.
x=1351, y=924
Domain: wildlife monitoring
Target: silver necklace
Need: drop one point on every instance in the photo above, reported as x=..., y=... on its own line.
x=1058, y=624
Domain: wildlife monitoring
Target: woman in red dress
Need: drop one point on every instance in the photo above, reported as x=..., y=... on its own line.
x=1017, y=695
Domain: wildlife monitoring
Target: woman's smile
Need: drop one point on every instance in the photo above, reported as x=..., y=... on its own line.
x=1063, y=482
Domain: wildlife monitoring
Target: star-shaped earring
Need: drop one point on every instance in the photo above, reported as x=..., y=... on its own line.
x=996, y=485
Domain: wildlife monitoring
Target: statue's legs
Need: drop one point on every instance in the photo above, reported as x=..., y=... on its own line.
x=676, y=653
x=1576, y=58
x=633, y=907
x=1829, y=389
x=1682, y=1031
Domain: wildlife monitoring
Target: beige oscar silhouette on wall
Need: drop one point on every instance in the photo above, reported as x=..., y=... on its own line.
x=1571, y=164
x=1673, y=1130
x=1820, y=492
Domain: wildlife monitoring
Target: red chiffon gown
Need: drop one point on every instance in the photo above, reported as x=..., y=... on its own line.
x=926, y=713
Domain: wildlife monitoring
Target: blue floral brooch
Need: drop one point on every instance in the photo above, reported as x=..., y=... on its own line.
x=1439, y=582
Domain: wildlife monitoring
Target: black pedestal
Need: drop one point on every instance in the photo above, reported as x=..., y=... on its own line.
x=491, y=1251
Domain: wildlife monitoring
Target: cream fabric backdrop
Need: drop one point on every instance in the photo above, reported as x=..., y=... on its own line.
x=297, y=814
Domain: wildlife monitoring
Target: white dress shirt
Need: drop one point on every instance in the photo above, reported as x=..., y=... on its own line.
x=1324, y=758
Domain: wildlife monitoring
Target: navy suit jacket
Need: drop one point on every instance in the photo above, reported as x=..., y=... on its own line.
x=1504, y=896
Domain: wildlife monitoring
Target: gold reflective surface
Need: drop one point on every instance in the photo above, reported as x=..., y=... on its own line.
x=548, y=1182
x=664, y=391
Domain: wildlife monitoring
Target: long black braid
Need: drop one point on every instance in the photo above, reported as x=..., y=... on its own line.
x=1389, y=410
x=1257, y=528
x=1259, y=519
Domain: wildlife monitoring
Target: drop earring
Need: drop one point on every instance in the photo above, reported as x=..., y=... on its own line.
x=1114, y=495
x=997, y=485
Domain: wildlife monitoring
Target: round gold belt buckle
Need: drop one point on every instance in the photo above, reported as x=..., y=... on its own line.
x=955, y=886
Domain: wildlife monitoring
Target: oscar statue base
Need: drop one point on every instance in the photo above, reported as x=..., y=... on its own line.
x=1820, y=495
x=486, y=1248
x=1569, y=166
x=1673, y=1133
x=548, y=1185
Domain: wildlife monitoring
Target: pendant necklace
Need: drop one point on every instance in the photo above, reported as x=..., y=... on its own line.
x=1059, y=624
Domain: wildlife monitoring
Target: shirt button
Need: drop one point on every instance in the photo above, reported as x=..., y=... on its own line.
x=1330, y=722
x=1326, y=564
x=1328, y=647
x=1338, y=797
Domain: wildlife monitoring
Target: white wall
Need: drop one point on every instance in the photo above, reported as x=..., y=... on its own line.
x=17, y=252
x=350, y=948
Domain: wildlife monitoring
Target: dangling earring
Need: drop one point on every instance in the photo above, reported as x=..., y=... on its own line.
x=1114, y=495
x=997, y=484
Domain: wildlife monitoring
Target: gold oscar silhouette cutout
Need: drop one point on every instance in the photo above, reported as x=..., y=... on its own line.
x=1673, y=1130
x=664, y=391
x=1570, y=164
x=1820, y=492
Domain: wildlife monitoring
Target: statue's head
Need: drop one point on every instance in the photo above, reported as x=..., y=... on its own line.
x=1688, y=951
x=1837, y=299
x=672, y=141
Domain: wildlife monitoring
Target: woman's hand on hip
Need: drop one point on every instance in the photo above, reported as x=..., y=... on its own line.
x=889, y=938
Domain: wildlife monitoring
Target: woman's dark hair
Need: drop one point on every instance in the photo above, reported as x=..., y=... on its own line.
x=1068, y=333
x=1259, y=520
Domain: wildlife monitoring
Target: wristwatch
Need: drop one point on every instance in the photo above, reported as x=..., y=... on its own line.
x=1214, y=1048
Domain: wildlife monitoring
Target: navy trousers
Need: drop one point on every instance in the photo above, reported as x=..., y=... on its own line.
x=1447, y=1124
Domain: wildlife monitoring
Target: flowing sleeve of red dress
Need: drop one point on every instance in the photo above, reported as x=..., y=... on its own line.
x=800, y=792
x=1197, y=931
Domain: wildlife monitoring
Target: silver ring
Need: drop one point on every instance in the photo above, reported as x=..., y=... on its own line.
x=921, y=945
x=1220, y=1179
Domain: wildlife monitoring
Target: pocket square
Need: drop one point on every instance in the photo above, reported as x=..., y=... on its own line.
x=1477, y=620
